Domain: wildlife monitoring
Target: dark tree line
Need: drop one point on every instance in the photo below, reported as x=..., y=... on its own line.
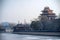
x=53, y=25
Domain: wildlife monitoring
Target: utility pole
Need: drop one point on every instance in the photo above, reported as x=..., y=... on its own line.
x=18, y=22
x=25, y=21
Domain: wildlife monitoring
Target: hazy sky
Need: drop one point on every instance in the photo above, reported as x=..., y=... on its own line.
x=14, y=10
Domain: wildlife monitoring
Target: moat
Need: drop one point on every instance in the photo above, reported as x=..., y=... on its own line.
x=9, y=36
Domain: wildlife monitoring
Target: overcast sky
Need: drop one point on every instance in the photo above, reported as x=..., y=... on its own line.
x=14, y=10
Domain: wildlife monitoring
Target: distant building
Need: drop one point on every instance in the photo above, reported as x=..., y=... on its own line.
x=47, y=13
x=21, y=28
x=2, y=29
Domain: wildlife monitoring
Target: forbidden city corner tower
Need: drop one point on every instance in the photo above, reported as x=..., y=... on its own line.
x=47, y=13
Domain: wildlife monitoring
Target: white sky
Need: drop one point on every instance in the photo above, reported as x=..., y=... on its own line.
x=14, y=10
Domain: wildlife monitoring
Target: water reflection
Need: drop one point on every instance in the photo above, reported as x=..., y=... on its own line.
x=8, y=36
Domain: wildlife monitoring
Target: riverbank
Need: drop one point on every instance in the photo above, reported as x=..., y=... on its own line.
x=40, y=33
